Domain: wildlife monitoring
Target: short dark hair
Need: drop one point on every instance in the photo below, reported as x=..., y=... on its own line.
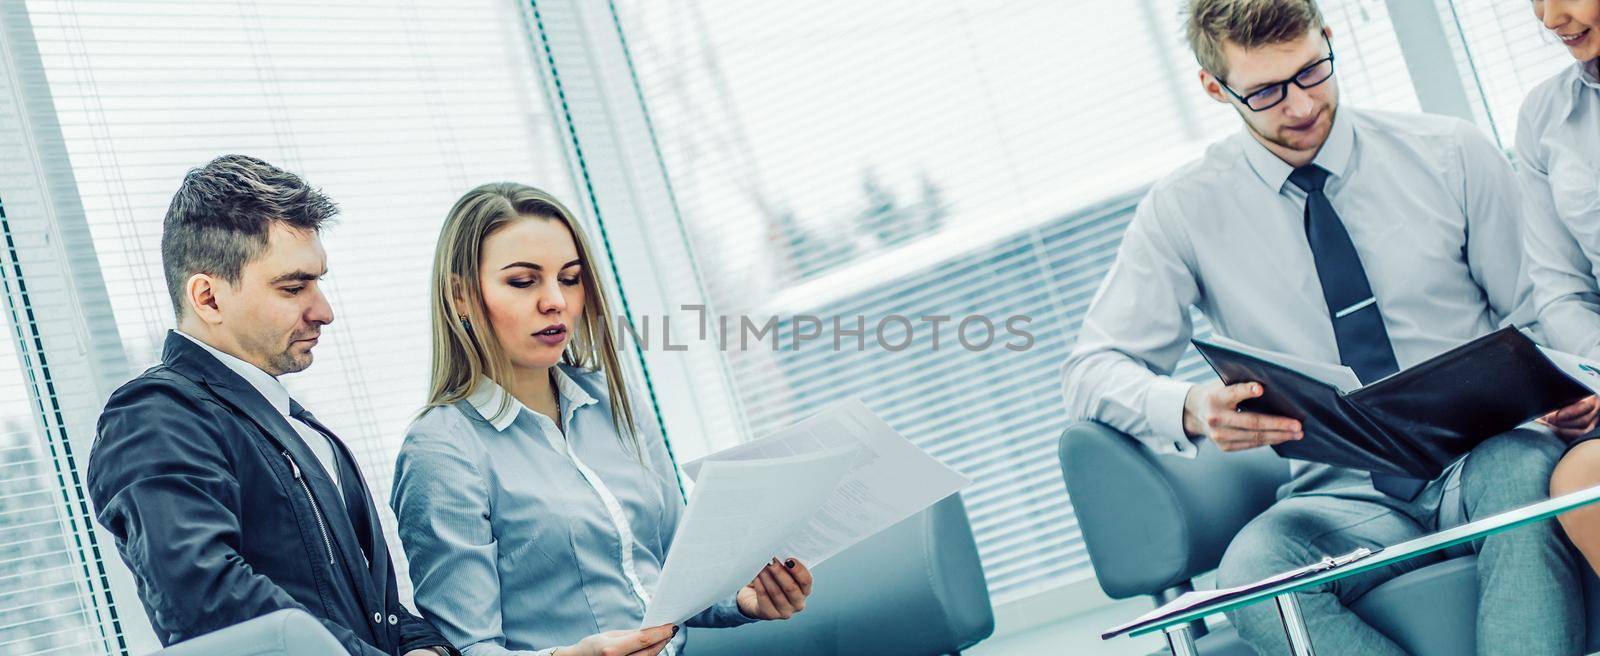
x=222, y=214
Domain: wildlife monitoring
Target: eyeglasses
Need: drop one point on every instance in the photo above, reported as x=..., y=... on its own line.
x=1273, y=94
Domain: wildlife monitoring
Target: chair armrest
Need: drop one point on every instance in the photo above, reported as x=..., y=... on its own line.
x=286, y=632
x=1151, y=522
x=916, y=588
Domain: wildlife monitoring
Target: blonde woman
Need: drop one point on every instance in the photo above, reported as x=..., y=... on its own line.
x=1558, y=146
x=535, y=507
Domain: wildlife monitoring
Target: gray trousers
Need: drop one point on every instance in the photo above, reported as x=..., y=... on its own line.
x=1530, y=597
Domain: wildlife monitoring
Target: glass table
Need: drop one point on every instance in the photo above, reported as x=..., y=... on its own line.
x=1173, y=619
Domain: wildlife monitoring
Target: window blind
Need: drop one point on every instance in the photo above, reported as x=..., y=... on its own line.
x=57, y=574
x=909, y=158
x=48, y=603
x=831, y=159
x=1506, y=52
x=394, y=109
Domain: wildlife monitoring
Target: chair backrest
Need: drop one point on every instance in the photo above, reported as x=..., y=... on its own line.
x=915, y=588
x=1151, y=522
x=279, y=633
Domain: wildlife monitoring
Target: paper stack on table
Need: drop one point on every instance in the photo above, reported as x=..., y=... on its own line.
x=808, y=492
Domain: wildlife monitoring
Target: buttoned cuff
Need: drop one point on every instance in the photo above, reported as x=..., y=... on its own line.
x=726, y=614
x=1163, y=410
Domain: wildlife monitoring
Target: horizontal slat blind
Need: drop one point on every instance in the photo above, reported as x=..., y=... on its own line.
x=843, y=159
x=45, y=603
x=393, y=108
x=57, y=355
x=1506, y=52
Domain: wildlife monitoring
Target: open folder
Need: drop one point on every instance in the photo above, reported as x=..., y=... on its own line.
x=1414, y=422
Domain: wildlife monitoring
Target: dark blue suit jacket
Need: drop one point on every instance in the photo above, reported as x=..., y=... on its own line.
x=224, y=514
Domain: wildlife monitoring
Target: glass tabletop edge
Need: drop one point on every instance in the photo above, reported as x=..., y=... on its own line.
x=1552, y=507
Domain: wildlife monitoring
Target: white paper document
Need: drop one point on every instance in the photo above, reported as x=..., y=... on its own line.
x=1339, y=376
x=780, y=497
x=1581, y=369
x=737, y=516
x=891, y=481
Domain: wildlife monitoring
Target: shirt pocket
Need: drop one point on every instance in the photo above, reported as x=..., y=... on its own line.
x=1575, y=192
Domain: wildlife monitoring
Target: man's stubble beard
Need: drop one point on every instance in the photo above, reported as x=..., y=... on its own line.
x=1332, y=114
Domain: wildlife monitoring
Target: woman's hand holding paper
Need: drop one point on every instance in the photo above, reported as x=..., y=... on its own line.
x=778, y=592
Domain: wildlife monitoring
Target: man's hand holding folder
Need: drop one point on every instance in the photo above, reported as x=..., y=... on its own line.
x=1211, y=410
x=1412, y=423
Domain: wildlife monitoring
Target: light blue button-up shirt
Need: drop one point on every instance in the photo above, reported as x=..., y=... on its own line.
x=524, y=538
x=1430, y=203
x=1558, y=148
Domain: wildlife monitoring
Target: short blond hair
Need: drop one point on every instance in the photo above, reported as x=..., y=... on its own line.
x=1247, y=24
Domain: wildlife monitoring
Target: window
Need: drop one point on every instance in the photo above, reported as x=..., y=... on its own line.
x=1505, y=52
x=48, y=596
x=865, y=162
x=393, y=110
x=912, y=159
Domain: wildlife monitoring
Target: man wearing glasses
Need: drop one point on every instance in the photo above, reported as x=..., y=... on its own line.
x=1371, y=239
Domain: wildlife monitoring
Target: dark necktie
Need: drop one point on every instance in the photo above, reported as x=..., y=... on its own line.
x=1357, y=323
x=352, y=492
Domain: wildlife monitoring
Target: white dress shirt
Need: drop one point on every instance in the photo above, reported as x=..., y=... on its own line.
x=1429, y=202
x=1558, y=148
x=278, y=396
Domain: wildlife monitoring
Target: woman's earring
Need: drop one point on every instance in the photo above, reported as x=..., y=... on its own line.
x=465, y=325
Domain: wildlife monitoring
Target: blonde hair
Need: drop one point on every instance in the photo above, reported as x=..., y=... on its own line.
x=463, y=354
x=1246, y=23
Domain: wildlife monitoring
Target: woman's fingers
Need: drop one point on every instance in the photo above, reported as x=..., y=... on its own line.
x=646, y=642
x=780, y=588
x=1574, y=421
x=652, y=650
x=780, y=601
x=764, y=607
x=790, y=587
x=655, y=639
x=801, y=573
x=1578, y=412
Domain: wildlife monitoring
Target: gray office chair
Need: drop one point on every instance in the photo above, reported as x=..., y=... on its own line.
x=914, y=589
x=1153, y=523
x=280, y=633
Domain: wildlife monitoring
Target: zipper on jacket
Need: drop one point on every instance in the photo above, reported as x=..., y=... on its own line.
x=315, y=510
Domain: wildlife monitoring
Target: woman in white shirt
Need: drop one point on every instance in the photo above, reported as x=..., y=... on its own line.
x=1558, y=149
x=535, y=505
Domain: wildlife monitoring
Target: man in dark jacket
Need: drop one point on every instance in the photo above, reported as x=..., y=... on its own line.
x=227, y=498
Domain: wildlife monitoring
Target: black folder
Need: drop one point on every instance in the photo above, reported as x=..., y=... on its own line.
x=1417, y=421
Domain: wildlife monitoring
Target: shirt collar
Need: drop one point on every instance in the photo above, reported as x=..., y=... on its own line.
x=1582, y=78
x=1334, y=157
x=268, y=386
x=489, y=398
